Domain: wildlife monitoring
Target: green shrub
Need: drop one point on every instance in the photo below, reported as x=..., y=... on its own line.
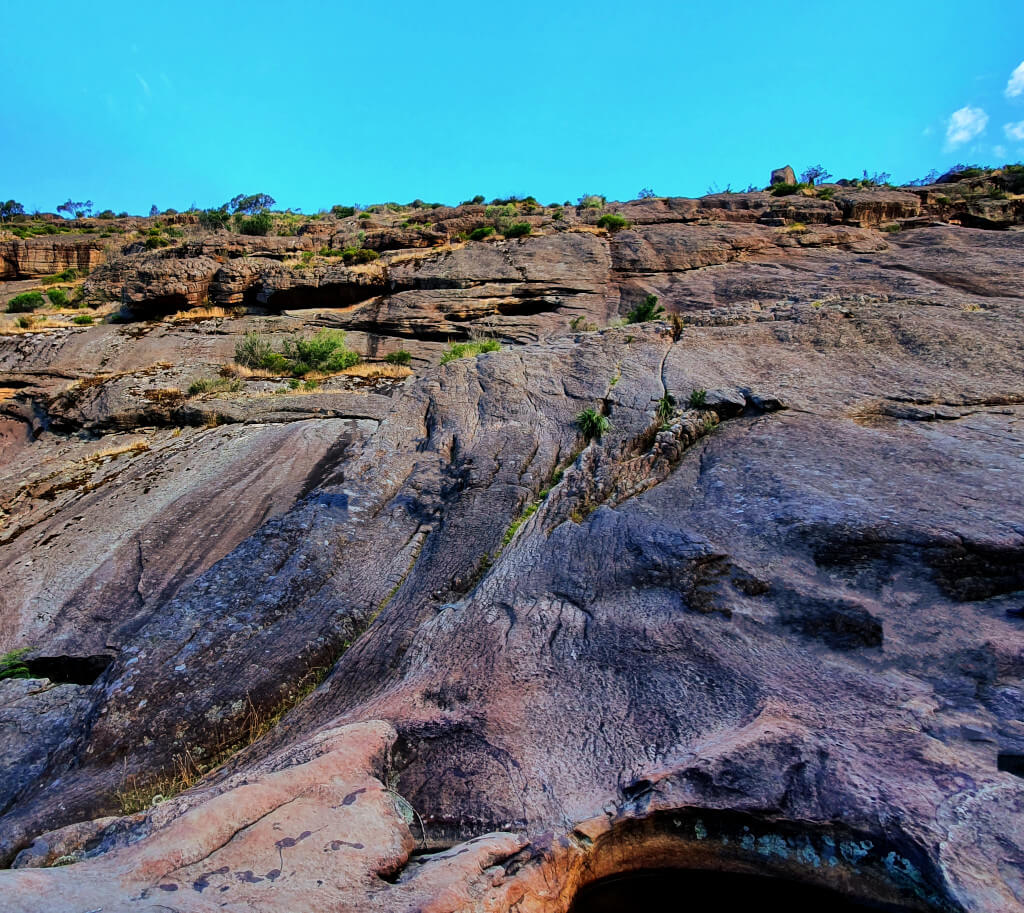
x=25, y=303
x=351, y=255
x=214, y=218
x=82, y=319
x=13, y=666
x=365, y=215
x=401, y=357
x=786, y=190
x=259, y=224
x=592, y=423
x=325, y=351
x=698, y=398
x=26, y=320
x=343, y=212
x=666, y=408
x=153, y=242
x=826, y=193
x=214, y=385
x=591, y=201
x=58, y=297
x=518, y=230
x=478, y=234
x=648, y=309
x=68, y=275
x=469, y=349
x=613, y=221
x=253, y=350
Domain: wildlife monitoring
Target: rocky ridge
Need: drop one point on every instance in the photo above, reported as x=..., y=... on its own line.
x=417, y=644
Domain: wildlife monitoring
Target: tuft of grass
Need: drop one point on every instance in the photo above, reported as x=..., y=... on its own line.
x=214, y=385
x=592, y=423
x=12, y=665
x=698, y=398
x=82, y=320
x=203, y=313
x=666, y=408
x=371, y=370
x=478, y=234
x=648, y=309
x=253, y=350
x=469, y=349
x=68, y=275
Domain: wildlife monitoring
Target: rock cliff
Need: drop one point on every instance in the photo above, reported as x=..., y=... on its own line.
x=410, y=640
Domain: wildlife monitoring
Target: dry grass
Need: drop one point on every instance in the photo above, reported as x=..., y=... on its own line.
x=377, y=369
x=233, y=370
x=204, y=313
x=113, y=452
x=11, y=328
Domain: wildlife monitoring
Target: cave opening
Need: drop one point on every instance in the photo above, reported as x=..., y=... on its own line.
x=332, y=295
x=69, y=670
x=678, y=890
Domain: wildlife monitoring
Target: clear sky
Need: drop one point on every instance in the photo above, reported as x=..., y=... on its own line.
x=140, y=103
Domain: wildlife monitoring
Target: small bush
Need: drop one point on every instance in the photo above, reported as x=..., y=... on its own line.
x=613, y=221
x=25, y=303
x=591, y=201
x=214, y=385
x=365, y=215
x=326, y=351
x=826, y=193
x=82, y=319
x=259, y=224
x=154, y=242
x=13, y=666
x=401, y=357
x=698, y=398
x=214, y=219
x=68, y=275
x=469, y=349
x=58, y=297
x=518, y=230
x=25, y=321
x=592, y=423
x=648, y=309
x=253, y=350
x=343, y=212
x=478, y=234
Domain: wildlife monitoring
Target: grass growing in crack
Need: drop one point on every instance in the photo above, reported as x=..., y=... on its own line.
x=592, y=423
x=214, y=385
x=469, y=349
x=138, y=793
x=648, y=309
x=666, y=409
x=698, y=398
x=324, y=352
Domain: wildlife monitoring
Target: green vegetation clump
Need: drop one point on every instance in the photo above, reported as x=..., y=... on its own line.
x=214, y=385
x=786, y=190
x=343, y=212
x=68, y=275
x=517, y=230
x=351, y=255
x=698, y=398
x=13, y=666
x=214, y=219
x=592, y=423
x=82, y=319
x=478, y=234
x=613, y=221
x=25, y=303
x=58, y=297
x=591, y=201
x=666, y=408
x=648, y=309
x=259, y=224
x=469, y=349
x=325, y=352
x=401, y=357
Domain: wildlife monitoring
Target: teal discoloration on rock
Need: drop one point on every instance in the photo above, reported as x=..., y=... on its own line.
x=808, y=855
x=699, y=830
x=853, y=852
x=773, y=845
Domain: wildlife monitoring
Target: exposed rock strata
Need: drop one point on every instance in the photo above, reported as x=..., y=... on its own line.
x=776, y=629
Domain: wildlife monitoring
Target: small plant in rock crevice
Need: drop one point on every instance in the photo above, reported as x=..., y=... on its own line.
x=12, y=664
x=698, y=398
x=592, y=423
x=666, y=408
x=648, y=309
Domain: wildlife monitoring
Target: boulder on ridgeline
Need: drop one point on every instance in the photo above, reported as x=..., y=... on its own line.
x=783, y=176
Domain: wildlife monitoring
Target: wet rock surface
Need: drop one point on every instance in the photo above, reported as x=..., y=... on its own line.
x=416, y=644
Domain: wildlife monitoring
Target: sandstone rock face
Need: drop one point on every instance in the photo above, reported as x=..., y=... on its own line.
x=784, y=175
x=419, y=645
x=36, y=257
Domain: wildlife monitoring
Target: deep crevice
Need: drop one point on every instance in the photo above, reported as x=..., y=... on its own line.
x=69, y=670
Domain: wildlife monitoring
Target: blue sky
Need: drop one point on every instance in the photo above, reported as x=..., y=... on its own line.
x=131, y=104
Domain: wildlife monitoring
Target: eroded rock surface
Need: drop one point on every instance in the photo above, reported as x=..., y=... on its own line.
x=769, y=621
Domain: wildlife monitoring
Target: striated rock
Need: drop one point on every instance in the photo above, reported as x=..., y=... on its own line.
x=35, y=257
x=163, y=285
x=873, y=207
x=746, y=637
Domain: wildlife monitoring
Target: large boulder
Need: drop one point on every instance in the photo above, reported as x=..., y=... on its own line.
x=784, y=175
